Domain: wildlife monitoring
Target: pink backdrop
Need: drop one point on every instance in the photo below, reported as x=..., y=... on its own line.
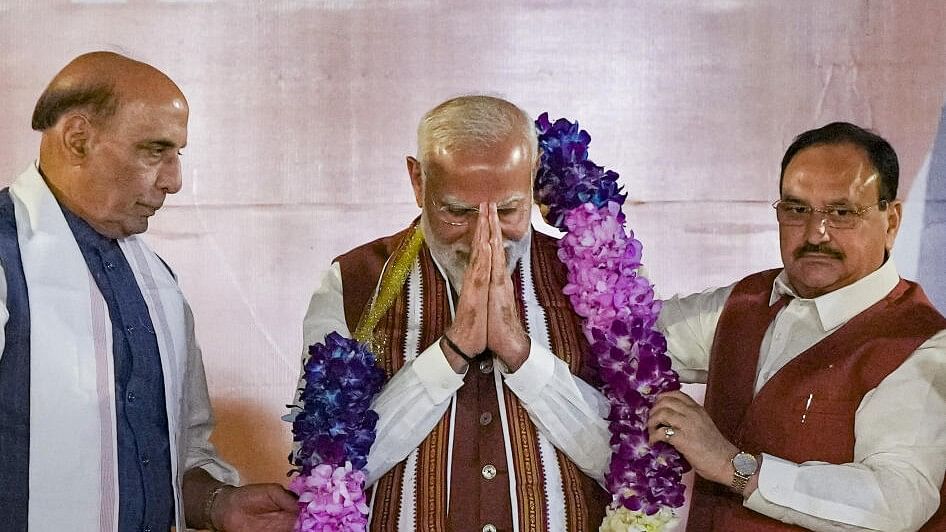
x=303, y=111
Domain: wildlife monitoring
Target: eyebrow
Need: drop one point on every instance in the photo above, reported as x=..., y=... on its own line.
x=159, y=143
x=836, y=202
x=449, y=201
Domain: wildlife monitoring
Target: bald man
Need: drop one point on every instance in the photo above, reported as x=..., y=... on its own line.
x=104, y=412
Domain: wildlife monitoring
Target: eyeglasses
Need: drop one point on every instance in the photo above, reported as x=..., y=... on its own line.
x=461, y=216
x=792, y=213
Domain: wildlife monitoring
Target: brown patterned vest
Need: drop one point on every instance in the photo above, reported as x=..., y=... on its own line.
x=478, y=438
x=833, y=375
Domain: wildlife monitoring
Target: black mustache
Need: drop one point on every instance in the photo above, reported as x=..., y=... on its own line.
x=822, y=249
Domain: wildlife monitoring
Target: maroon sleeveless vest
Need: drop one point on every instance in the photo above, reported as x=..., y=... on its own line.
x=478, y=428
x=806, y=410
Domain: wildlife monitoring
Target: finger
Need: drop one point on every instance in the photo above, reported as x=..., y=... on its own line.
x=677, y=401
x=659, y=434
x=477, y=271
x=484, y=259
x=284, y=499
x=476, y=242
x=499, y=275
x=678, y=397
x=665, y=416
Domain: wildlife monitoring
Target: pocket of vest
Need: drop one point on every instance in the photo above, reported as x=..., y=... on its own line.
x=824, y=407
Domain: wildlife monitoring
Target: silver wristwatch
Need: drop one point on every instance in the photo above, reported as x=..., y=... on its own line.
x=744, y=466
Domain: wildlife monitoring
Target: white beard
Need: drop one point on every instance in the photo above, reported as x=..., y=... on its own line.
x=454, y=258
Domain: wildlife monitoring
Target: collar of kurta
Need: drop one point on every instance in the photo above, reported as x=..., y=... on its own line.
x=839, y=306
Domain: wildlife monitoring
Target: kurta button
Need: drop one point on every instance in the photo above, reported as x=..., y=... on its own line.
x=131, y=397
x=145, y=461
x=130, y=329
x=109, y=266
x=486, y=366
x=489, y=471
x=489, y=527
x=486, y=418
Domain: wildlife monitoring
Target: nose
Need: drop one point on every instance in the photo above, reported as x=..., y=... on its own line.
x=816, y=228
x=169, y=178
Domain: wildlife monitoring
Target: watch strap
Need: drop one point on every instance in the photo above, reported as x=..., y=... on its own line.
x=739, y=482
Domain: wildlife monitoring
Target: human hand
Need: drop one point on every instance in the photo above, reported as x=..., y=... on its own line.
x=468, y=330
x=695, y=435
x=504, y=333
x=255, y=508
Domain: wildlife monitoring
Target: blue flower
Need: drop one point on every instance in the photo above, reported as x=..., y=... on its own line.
x=566, y=178
x=336, y=423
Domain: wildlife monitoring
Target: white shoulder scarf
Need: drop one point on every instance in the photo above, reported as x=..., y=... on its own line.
x=73, y=457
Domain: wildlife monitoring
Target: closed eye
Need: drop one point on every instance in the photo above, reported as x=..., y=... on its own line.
x=795, y=208
x=458, y=211
x=842, y=212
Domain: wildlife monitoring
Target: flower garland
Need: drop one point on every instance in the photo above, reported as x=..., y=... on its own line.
x=604, y=286
x=335, y=426
x=335, y=430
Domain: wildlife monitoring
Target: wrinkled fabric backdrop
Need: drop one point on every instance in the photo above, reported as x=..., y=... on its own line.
x=302, y=113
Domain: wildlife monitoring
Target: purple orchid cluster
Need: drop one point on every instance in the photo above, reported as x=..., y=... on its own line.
x=335, y=430
x=566, y=178
x=620, y=313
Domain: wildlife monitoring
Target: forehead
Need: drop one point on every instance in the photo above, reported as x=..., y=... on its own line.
x=834, y=172
x=161, y=119
x=498, y=174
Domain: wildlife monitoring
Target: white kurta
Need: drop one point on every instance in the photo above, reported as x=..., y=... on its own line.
x=568, y=412
x=73, y=460
x=900, y=426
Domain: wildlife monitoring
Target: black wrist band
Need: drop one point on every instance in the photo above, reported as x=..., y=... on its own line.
x=469, y=359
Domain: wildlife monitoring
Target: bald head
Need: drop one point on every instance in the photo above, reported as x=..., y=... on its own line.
x=96, y=84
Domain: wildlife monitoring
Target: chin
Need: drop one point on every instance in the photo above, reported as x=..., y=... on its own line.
x=816, y=284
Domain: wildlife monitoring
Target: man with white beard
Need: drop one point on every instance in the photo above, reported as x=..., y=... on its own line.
x=489, y=418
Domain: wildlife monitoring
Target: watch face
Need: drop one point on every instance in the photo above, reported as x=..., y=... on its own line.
x=745, y=464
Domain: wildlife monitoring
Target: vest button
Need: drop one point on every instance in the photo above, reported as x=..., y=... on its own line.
x=489, y=471
x=486, y=418
x=489, y=527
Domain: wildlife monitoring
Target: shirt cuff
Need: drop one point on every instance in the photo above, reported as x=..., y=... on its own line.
x=777, y=480
x=436, y=375
x=533, y=375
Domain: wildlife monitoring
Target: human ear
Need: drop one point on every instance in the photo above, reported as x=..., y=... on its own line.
x=415, y=170
x=894, y=214
x=75, y=131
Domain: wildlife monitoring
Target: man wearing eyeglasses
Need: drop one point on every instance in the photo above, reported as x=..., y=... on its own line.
x=825, y=404
x=485, y=423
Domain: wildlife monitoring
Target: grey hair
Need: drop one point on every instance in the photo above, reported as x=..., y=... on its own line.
x=474, y=123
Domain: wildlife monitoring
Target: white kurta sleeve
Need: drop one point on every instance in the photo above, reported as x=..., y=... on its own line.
x=689, y=324
x=411, y=402
x=566, y=410
x=198, y=422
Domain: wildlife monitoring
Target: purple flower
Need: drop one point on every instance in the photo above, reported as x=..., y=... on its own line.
x=331, y=499
x=619, y=311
